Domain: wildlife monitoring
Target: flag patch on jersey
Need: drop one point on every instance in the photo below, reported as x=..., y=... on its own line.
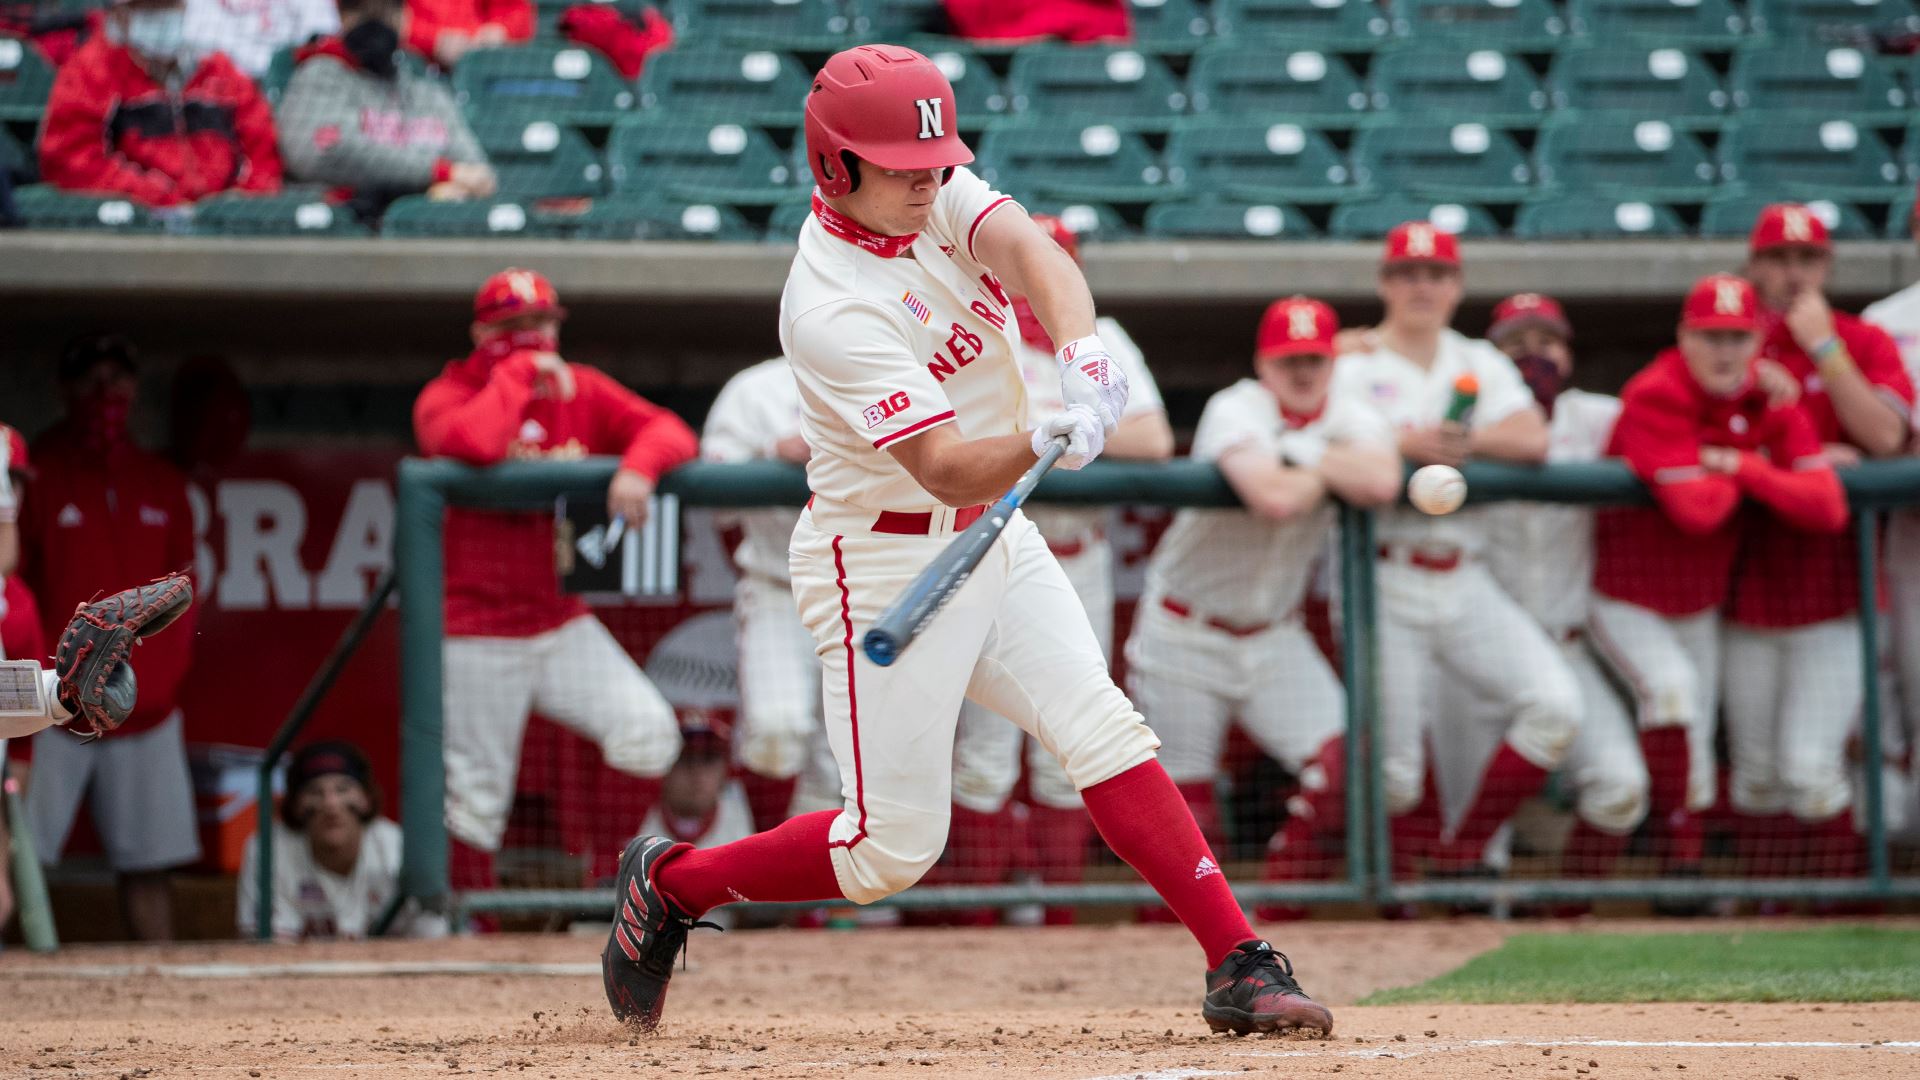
x=918, y=306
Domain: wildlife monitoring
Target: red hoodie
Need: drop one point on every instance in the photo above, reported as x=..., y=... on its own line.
x=111, y=128
x=500, y=578
x=428, y=19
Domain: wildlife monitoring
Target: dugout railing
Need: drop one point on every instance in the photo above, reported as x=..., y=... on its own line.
x=425, y=489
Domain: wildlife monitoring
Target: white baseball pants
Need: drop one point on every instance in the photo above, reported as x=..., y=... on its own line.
x=1671, y=666
x=779, y=680
x=1793, y=698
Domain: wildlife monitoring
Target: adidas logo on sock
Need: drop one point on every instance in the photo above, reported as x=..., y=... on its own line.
x=1204, y=867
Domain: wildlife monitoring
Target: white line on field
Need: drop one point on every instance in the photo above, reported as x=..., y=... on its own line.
x=1406, y=1050
x=336, y=969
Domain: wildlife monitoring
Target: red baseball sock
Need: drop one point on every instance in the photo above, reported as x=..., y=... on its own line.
x=1203, y=805
x=1591, y=853
x=1320, y=810
x=768, y=798
x=1143, y=818
x=1762, y=840
x=786, y=863
x=1508, y=781
x=1831, y=848
x=468, y=867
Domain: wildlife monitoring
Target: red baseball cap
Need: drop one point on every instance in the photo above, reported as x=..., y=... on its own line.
x=513, y=292
x=1421, y=242
x=17, y=452
x=1062, y=235
x=1522, y=309
x=1788, y=225
x=1721, y=302
x=1296, y=326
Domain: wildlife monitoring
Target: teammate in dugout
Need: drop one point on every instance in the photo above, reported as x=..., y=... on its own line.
x=514, y=643
x=901, y=335
x=1793, y=695
x=1219, y=635
x=1700, y=430
x=1442, y=617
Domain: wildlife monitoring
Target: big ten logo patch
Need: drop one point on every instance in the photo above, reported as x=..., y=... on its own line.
x=886, y=408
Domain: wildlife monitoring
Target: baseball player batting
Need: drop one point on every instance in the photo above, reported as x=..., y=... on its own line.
x=899, y=328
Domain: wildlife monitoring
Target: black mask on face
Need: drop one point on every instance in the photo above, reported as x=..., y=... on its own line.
x=1544, y=378
x=372, y=45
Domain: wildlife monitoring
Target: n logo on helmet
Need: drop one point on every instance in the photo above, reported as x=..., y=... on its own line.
x=1301, y=324
x=1727, y=299
x=930, y=123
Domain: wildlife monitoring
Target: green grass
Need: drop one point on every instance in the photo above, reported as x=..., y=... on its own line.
x=1840, y=963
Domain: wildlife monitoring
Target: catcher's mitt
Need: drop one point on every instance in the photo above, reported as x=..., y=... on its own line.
x=96, y=682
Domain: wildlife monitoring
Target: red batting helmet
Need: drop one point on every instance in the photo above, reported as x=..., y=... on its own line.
x=513, y=292
x=1062, y=235
x=882, y=103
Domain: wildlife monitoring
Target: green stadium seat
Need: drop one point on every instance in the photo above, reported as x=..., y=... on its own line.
x=899, y=20
x=1093, y=163
x=783, y=225
x=1824, y=20
x=1455, y=80
x=1674, y=24
x=1642, y=81
x=1627, y=159
x=1468, y=162
x=1117, y=84
x=794, y=25
x=641, y=217
x=1092, y=223
x=273, y=82
x=1733, y=214
x=1376, y=217
x=1910, y=151
x=1583, y=217
x=498, y=219
x=978, y=94
x=1259, y=163
x=290, y=213
x=42, y=206
x=1514, y=25
x=567, y=84
x=1812, y=158
x=15, y=160
x=1346, y=26
x=541, y=159
x=741, y=86
x=1302, y=86
x=1207, y=219
x=1169, y=27
x=697, y=162
x=25, y=81
x=1812, y=78
x=1900, y=217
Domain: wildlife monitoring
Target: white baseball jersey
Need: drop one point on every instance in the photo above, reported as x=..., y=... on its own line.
x=1041, y=370
x=1899, y=316
x=757, y=409
x=887, y=348
x=1414, y=397
x=310, y=901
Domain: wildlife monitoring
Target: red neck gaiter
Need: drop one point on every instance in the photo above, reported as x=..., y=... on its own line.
x=844, y=227
x=500, y=346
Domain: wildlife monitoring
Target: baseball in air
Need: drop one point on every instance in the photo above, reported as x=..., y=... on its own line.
x=1436, y=489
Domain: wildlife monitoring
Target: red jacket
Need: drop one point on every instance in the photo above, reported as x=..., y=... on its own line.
x=427, y=19
x=111, y=128
x=1678, y=559
x=500, y=577
x=1014, y=20
x=88, y=530
x=21, y=637
x=1788, y=577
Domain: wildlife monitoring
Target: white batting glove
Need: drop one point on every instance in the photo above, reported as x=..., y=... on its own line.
x=1088, y=376
x=1085, y=437
x=1303, y=449
x=9, y=503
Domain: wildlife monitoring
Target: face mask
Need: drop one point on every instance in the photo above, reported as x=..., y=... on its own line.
x=501, y=346
x=372, y=45
x=158, y=34
x=103, y=422
x=1544, y=378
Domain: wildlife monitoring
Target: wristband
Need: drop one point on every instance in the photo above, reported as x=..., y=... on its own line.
x=1826, y=349
x=1090, y=343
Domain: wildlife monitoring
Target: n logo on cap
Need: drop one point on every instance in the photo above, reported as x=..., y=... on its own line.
x=1795, y=224
x=521, y=282
x=930, y=125
x=1727, y=299
x=1301, y=325
x=1526, y=300
x=1420, y=240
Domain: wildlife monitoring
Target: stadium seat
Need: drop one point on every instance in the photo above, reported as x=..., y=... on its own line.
x=1674, y=24
x=783, y=225
x=1258, y=162
x=1644, y=82
x=1733, y=214
x=1812, y=158
x=42, y=206
x=1514, y=25
x=740, y=86
x=15, y=160
x=1119, y=85
x=1469, y=162
x=290, y=213
x=541, y=159
x=1627, y=159
x=1824, y=20
x=1900, y=217
x=977, y=92
x=1346, y=26
x=793, y=25
x=899, y=20
x=697, y=162
x=1090, y=222
x=566, y=84
x=630, y=217
x=1812, y=78
x=25, y=81
x=417, y=215
x=1583, y=217
x=1095, y=163
x=1256, y=81
x=1459, y=81
x=1169, y=27
x=1211, y=220
x=273, y=81
x=1376, y=217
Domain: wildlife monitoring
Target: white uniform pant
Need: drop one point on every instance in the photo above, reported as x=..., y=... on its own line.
x=779, y=681
x=1013, y=638
x=1671, y=666
x=1458, y=625
x=1793, y=698
x=575, y=674
x=1902, y=629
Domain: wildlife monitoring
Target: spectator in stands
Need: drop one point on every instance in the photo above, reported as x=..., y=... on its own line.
x=354, y=117
x=1022, y=20
x=90, y=472
x=514, y=643
x=624, y=31
x=446, y=30
x=137, y=113
x=250, y=32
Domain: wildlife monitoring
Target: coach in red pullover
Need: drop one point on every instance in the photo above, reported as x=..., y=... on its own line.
x=515, y=643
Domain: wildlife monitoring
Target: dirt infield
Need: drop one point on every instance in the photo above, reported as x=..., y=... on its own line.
x=1069, y=1003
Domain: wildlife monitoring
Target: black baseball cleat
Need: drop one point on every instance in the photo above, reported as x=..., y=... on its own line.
x=1253, y=990
x=649, y=931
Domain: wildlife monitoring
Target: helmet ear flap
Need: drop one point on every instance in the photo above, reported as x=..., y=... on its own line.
x=851, y=165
